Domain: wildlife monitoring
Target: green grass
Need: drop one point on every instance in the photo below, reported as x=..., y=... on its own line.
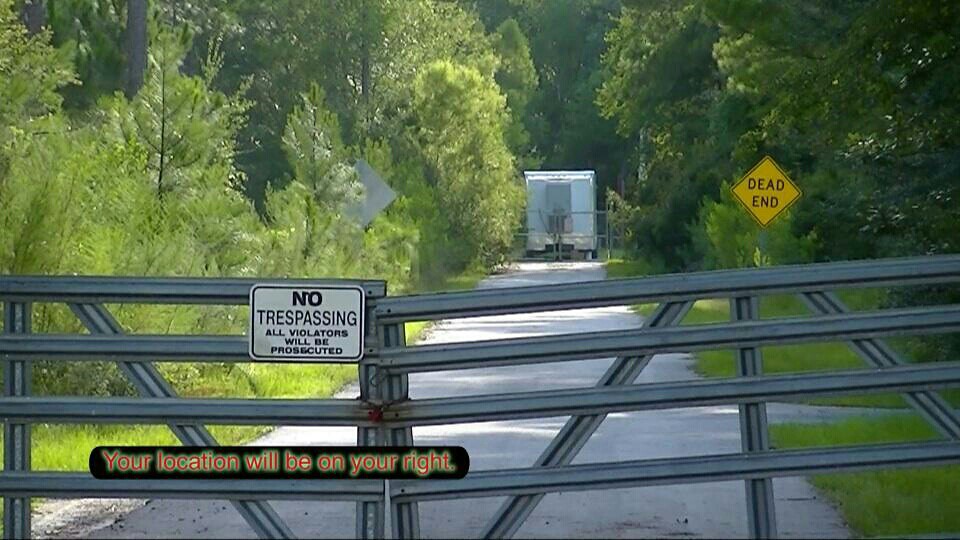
x=623, y=268
x=60, y=447
x=49, y=441
x=267, y=380
x=414, y=330
x=782, y=358
x=882, y=503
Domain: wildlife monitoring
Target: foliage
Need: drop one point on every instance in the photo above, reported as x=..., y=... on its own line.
x=517, y=77
x=567, y=129
x=848, y=101
x=312, y=143
x=32, y=71
x=622, y=217
x=851, y=99
x=461, y=116
x=90, y=34
x=734, y=240
x=662, y=79
x=236, y=157
x=187, y=128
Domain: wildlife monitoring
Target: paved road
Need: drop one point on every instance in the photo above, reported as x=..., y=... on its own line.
x=708, y=510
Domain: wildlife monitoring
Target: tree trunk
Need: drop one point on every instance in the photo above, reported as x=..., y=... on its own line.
x=364, y=54
x=136, y=45
x=364, y=72
x=34, y=15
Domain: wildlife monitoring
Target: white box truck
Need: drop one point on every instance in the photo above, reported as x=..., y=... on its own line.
x=561, y=212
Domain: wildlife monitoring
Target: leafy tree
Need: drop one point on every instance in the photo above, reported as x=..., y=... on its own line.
x=567, y=129
x=309, y=231
x=32, y=71
x=364, y=55
x=860, y=99
x=662, y=90
x=733, y=240
x=91, y=32
x=312, y=143
x=150, y=185
x=461, y=117
x=517, y=78
x=185, y=127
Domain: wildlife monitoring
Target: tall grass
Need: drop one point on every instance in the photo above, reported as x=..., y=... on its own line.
x=810, y=357
x=882, y=503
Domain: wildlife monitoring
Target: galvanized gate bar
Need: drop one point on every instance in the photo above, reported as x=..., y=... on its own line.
x=667, y=395
x=450, y=356
x=672, y=287
x=74, y=485
x=289, y=412
x=578, y=429
x=599, y=400
x=754, y=437
x=153, y=290
x=686, y=470
x=566, y=347
x=16, y=436
x=165, y=348
x=150, y=383
x=936, y=410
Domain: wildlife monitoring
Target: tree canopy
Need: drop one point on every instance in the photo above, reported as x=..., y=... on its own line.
x=174, y=137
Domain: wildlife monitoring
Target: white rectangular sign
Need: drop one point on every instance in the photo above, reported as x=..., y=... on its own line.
x=306, y=323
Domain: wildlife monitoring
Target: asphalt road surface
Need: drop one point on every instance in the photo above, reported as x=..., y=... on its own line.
x=697, y=510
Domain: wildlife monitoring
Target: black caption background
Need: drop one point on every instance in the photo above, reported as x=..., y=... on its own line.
x=458, y=459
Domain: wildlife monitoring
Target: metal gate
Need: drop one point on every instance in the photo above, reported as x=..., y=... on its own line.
x=385, y=415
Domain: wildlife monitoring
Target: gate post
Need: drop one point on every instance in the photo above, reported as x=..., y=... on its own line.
x=16, y=437
x=378, y=385
x=405, y=517
x=754, y=437
x=369, y=513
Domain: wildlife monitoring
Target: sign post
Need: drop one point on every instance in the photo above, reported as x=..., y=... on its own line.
x=766, y=191
x=306, y=324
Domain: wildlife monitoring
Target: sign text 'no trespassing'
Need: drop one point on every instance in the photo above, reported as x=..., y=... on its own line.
x=306, y=323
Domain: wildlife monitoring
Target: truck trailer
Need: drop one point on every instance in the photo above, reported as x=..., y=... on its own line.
x=561, y=212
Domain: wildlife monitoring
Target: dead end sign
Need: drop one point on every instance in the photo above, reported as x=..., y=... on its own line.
x=302, y=323
x=766, y=191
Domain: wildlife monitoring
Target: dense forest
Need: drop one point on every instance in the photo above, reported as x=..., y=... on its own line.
x=217, y=138
x=856, y=99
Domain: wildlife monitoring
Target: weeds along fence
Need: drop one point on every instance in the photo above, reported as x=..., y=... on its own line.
x=385, y=415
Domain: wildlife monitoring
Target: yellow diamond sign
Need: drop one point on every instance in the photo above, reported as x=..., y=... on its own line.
x=766, y=191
